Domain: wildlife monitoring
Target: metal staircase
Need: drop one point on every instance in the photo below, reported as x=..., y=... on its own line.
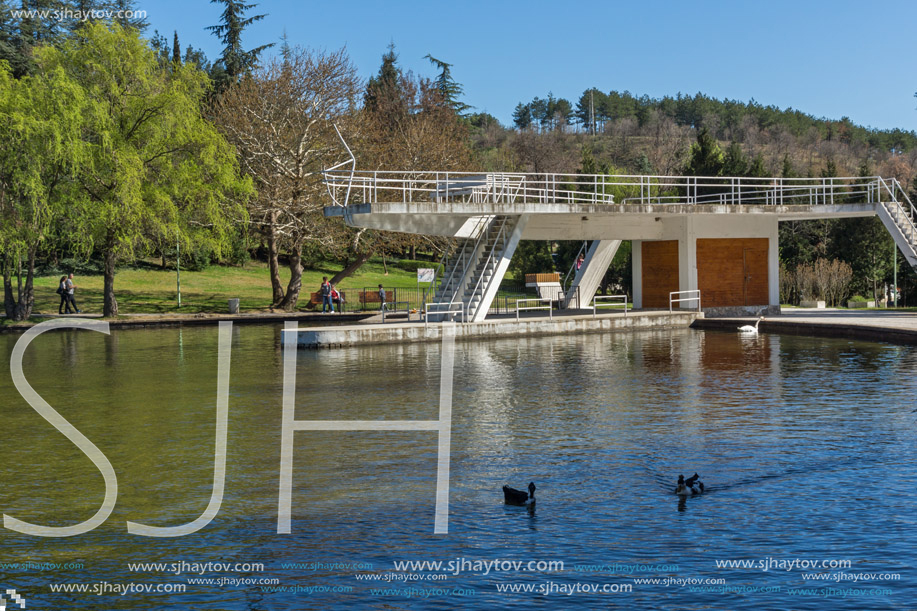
x=496, y=239
x=898, y=215
x=468, y=272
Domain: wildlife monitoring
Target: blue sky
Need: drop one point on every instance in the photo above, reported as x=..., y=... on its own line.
x=828, y=59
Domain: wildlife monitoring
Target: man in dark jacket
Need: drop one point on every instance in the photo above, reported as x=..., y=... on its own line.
x=326, y=295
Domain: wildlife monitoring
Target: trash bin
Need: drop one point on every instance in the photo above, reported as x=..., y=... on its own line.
x=233, y=306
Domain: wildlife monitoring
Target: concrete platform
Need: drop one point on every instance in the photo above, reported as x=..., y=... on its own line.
x=403, y=332
x=894, y=326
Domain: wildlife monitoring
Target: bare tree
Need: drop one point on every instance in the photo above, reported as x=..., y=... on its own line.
x=787, y=281
x=839, y=276
x=805, y=282
x=281, y=121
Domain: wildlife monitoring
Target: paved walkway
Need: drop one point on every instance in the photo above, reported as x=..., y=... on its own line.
x=881, y=325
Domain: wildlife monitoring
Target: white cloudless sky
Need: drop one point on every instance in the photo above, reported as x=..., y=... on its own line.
x=827, y=59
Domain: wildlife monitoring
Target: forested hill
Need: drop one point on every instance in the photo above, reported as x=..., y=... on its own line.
x=653, y=135
x=620, y=133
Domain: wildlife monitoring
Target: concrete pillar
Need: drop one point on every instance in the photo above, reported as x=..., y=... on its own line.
x=636, y=271
x=590, y=274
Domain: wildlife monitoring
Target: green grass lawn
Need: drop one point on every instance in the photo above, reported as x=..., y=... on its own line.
x=154, y=291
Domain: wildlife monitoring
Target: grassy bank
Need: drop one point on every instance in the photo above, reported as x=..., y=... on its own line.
x=153, y=291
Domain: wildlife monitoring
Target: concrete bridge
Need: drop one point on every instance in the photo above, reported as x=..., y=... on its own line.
x=717, y=236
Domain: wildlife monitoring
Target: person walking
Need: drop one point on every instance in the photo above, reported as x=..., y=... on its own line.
x=70, y=290
x=64, y=297
x=327, y=301
x=381, y=298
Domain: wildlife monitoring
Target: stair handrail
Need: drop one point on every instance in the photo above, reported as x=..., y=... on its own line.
x=911, y=214
x=480, y=233
x=487, y=263
x=582, y=251
x=459, y=259
x=906, y=197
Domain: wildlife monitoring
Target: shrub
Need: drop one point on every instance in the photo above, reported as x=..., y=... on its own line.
x=413, y=266
x=80, y=267
x=805, y=282
x=858, y=298
x=197, y=260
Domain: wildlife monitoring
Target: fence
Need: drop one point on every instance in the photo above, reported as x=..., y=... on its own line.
x=414, y=298
x=693, y=295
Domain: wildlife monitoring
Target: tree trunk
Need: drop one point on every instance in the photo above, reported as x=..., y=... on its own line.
x=9, y=301
x=273, y=260
x=351, y=268
x=27, y=296
x=21, y=308
x=288, y=303
x=109, y=304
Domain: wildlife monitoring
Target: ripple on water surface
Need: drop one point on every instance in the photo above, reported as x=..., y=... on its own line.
x=807, y=447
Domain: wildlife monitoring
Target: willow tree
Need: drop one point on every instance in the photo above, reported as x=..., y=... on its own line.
x=281, y=119
x=41, y=118
x=156, y=169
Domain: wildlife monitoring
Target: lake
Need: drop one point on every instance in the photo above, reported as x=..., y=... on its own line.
x=807, y=448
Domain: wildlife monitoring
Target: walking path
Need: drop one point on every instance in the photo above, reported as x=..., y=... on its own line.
x=894, y=326
x=136, y=321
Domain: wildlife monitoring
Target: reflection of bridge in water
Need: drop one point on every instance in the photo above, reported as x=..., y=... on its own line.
x=715, y=235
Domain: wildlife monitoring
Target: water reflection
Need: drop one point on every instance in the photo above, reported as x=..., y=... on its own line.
x=776, y=425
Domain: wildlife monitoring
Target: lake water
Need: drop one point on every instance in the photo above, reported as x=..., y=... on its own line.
x=807, y=448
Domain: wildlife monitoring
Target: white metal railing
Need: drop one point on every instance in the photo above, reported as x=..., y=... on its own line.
x=595, y=303
x=544, y=306
x=695, y=297
x=451, y=308
x=899, y=196
x=345, y=185
x=394, y=310
x=490, y=258
x=463, y=259
x=583, y=249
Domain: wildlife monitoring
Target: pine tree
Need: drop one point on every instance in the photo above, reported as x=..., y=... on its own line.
x=126, y=15
x=644, y=166
x=522, y=116
x=758, y=169
x=705, y=157
x=787, y=171
x=384, y=89
x=234, y=60
x=735, y=163
x=176, y=48
x=448, y=87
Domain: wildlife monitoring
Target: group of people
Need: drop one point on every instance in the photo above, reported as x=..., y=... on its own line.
x=330, y=296
x=66, y=289
x=892, y=296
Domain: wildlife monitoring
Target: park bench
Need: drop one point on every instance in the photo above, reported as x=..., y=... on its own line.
x=316, y=300
x=373, y=297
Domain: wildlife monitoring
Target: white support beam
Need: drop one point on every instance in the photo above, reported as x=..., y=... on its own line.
x=589, y=275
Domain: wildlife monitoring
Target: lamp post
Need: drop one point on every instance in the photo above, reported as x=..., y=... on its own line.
x=178, y=270
x=895, y=274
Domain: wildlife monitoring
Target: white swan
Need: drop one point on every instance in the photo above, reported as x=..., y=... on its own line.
x=749, y=328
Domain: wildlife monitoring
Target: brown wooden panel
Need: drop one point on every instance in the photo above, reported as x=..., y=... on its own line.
x=732, y=271
x=660, y=272
x=547, y=277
